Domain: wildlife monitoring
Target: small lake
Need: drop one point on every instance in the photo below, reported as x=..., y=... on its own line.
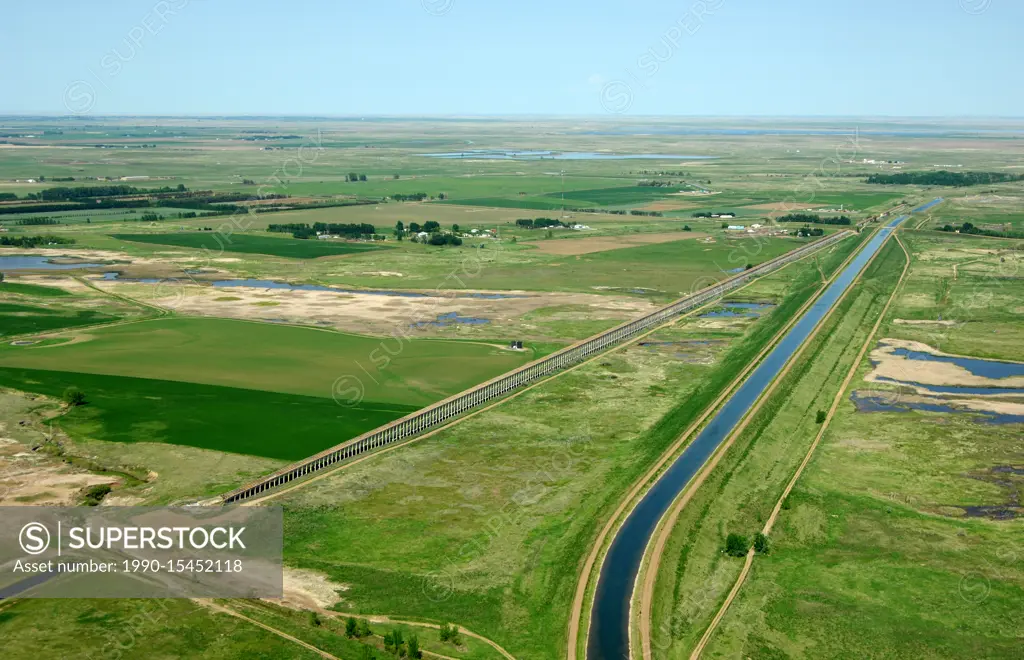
x=744, y=310
x=955, y=389
x=500, y=154
x=451, y=318
x=986, y=368
x=873, y=404
x=38, y=263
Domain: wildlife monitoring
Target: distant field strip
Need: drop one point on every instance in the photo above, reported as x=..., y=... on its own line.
x=216, y=243
x=453, y=406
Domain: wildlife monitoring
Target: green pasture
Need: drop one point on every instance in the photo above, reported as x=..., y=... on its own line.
x=112, y=628
x=219, y=242
x=276, y=358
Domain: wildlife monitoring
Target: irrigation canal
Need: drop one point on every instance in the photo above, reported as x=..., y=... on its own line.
x=609, y=623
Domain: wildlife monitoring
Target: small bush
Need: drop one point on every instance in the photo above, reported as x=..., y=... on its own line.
x=314, y=619
x=74, y=397
x=820, y=417
x=450, y=634
x=761, y=544
x=350, y=626
x=95, y=494
x=736, y=545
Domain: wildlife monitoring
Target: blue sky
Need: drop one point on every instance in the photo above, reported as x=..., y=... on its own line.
x=459, y=57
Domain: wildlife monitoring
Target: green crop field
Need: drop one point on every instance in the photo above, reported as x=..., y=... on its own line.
x=251, y=244
x=228, y=419
x=17, y=319
x=33, y=290
x=262, y=356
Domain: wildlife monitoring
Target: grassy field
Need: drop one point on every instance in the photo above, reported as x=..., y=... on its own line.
x=135, y=628
x=251, y=244
x=263, y=356
x=977, y=310
x=695, y=573
x=486, y=523
x=873, y=554
x=18, y=319
x=330, y=634
x=243, y=421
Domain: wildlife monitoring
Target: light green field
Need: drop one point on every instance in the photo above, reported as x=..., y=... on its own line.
x=274, y=358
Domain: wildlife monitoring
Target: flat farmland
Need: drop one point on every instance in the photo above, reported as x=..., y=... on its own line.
x=269, y=357
x=572, y=246
x=147, y=411
x=251, y=244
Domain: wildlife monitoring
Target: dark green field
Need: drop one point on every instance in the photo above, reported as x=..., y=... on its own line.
x=292, y=248
x=17, y=319
x=253, y=422
x=32, y=290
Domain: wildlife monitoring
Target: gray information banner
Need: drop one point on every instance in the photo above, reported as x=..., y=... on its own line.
x=141, y=552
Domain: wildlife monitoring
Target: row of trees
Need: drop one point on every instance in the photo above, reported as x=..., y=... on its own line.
x=815, y=219
x=412, y=197
x=352, y=176
x=804, y=232
x=539, y=223
x=737, y=545
x=944, y=178
x=395, y=642
x=304, y=230
x=85, y=192
x=972, y=229
x=34, y=241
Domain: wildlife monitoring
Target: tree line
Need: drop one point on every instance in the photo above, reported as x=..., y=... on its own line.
x=82, y=192
x=304, y=230
x=34, y=241
x=972, y=229
x=944, y=178
x=815, y=219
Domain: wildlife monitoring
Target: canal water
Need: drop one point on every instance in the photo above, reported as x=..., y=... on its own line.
x=609, y=627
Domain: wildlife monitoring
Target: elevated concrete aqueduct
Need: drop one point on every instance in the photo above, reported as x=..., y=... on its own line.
x=453, y=406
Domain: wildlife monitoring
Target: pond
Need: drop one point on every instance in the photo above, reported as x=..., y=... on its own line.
x=451, y=318
x=742, y=310
x=868, y=403
x=985, y=368
x=38, y=263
